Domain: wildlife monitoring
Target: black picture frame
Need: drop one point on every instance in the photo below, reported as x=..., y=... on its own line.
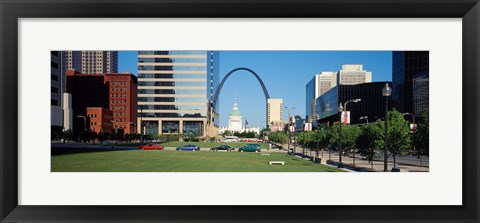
x=11, y=11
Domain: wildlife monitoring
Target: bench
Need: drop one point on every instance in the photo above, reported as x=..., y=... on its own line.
x=276, y=162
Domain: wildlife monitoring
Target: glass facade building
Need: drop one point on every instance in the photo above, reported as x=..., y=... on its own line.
x=371, y=105
x=175, y=90
x=410, y=81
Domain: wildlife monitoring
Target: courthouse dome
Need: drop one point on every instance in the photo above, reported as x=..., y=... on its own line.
x=235, y=111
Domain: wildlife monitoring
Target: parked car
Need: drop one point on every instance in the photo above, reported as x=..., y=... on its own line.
x=151, y=146
x=250, y=148
x=222, y=147
x=255, y=144
x=188, y=148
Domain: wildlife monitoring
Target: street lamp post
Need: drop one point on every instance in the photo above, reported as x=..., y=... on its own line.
x=318, y=138
x=304, y=139
x=341, y=109
x=289, y=125
x=386, y=92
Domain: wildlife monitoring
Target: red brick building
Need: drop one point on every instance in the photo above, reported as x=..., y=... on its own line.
x=116, y=92
x=123, y=101
x=100, y=119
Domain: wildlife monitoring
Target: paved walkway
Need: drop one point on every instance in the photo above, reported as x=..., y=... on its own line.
x=410, y=163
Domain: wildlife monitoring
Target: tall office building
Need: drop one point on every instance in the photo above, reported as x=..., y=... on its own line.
x=117, y=92
x=92, y=62
x=351, y=74
x=410, y=78
x=319, y=84
x=372, y=104
x=59, y=119
x=274, y=111
x=57, y=82
x=175, y=92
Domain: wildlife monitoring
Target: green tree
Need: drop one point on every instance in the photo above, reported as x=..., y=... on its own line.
x=421, y=136
x=367, y=141
x=264, y=130
x=399, y=140
x=278, y=137
x=350, y=134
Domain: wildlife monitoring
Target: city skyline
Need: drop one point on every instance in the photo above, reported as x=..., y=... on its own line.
x=295, y=69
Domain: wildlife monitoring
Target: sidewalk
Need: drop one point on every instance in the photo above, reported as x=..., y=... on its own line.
x=410, y=163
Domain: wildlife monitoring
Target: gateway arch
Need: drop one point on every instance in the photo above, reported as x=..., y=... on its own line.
x=219, y=89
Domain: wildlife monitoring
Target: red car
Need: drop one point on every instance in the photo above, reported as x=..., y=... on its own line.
x=151, y=146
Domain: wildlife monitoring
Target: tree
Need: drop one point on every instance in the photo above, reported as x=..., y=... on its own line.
x=350, y=134
x=367, y=141
x=278, y=137
x=227, y=133
x=68, y=135
x=398, y=136
x=264, y=130
x=421, y=137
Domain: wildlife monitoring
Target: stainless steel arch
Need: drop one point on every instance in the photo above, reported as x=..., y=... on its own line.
x=217, y=92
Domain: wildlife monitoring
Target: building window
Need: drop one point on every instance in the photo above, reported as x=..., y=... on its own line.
x=54, y=90
x=54, y=102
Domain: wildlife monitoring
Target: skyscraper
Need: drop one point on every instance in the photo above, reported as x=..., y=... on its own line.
x=274, y=110
x=319, y=84
x=175, y=90
x=57, y=82
x=372, y=104
x=117, y=92
x=92, y=62
x=410, y=78
x=351, y=74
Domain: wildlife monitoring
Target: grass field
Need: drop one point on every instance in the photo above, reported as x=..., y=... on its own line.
x=176, y=161
x=235, y=145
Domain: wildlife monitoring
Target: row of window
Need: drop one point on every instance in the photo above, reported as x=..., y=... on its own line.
x=124, y=83
x=172, y=76
x=202, y=68
x=121, y=108
x=164, y=83
x=116, y=96
x=92, y=115
x=172, y=99
x=172, y=60
x=119, y=102
x=119, y=89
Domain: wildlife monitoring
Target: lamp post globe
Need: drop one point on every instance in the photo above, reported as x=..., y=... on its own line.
x=386, y=91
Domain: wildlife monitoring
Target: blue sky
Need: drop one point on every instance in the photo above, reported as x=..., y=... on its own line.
x=285, y=74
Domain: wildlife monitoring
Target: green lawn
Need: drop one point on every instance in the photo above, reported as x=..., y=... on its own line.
x=235, y=145
x=181, y=161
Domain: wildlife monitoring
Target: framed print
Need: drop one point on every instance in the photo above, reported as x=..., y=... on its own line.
x=225, y=111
